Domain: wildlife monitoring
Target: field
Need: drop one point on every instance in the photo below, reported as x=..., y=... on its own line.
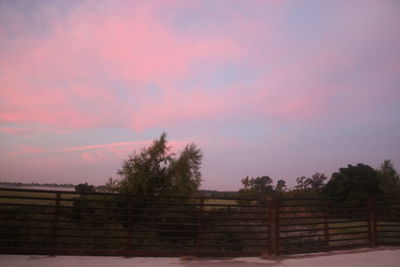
x=34, y=198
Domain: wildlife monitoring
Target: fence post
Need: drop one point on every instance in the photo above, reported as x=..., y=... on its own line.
x=271, y=211
x=274, y=226
x=200, y=229
x=130, y=227
x=55, y=223
x=277, y=217
x=374, y=222
x=326, y=223
x=372, y=228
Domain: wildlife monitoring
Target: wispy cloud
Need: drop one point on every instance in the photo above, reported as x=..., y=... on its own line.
x=98, y=152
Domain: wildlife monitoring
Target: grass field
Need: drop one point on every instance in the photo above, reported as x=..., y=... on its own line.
x=51, y=196
x=220, y=202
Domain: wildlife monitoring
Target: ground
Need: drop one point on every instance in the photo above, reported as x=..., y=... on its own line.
x=382, y=257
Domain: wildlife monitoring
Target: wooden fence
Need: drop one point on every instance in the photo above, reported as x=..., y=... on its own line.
x=67, y=223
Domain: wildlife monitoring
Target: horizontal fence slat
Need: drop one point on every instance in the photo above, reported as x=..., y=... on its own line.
x=320, y=217
x=317, y=223
x=323, y=248
x=321, y=235
x=304, y=243
x=127, y=216
x=321, y=229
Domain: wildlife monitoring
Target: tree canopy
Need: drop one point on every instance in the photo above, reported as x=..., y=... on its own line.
x=315, y=182
x=260, y=186
x=353, y=181
x=157, y=171
x=389, y=178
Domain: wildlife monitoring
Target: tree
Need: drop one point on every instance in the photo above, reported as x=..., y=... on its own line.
x=259, y=187
x=353, y=181
x=185, y=170
x=85, y=188
x=156, y=171
x=112, y=185
x=315, y=182
x=281, y=186
x=302, y=183
x=389, y=178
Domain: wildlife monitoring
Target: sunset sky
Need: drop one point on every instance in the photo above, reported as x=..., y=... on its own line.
x=277, y=88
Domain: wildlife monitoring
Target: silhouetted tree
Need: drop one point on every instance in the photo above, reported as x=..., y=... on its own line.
x=302, y=183
x=85, y=188
x=280, y=186
x=260, y=187
x=112, y=185
x=315, y=182
x=389, y=178
x=156, y=171
x=353, y=181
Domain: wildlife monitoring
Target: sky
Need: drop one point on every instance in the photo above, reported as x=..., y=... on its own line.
x=277, y=88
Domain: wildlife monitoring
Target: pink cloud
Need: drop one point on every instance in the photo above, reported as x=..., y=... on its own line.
x=105, y=152
x=115, y=148
x=94, y=157
x=93, y=68
x=13, y=130
x=95, y=154
x=105, y=146
x=177, y=105
x=52, y=80
x=23, y=150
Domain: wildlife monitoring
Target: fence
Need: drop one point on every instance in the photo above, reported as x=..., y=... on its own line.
x=67, y=223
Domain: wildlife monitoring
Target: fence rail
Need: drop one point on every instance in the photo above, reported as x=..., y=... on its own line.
x=63, y=222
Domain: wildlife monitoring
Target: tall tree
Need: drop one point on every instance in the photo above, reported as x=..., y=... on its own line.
x=156, y=171
x=389, y=178
x=353, y=181
x=185, y=170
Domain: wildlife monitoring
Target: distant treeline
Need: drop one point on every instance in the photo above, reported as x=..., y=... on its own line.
x=205, y=193
x=36, y=184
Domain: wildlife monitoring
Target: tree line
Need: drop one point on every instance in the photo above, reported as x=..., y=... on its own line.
x=360, y=180
x=19, y=184
x=156, y=171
